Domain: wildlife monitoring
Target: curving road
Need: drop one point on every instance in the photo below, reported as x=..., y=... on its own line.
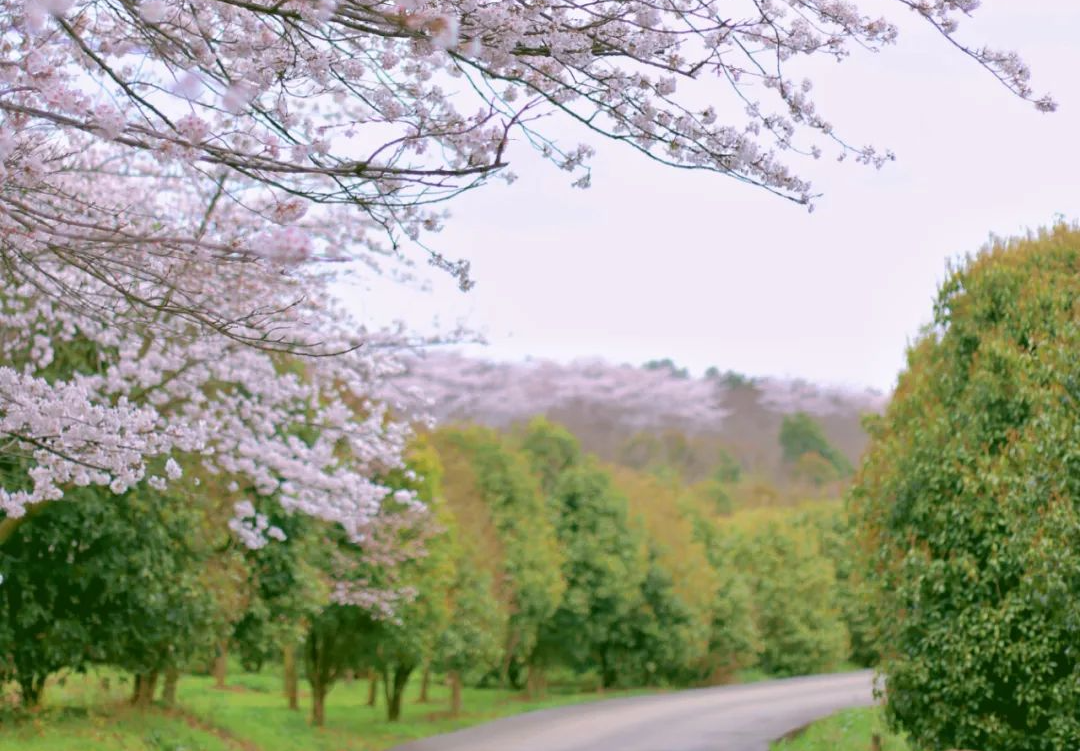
x=728, y=718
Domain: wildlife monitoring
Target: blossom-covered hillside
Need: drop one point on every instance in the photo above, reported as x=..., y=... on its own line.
x=610, y=407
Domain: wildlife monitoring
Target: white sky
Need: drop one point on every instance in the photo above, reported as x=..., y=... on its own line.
x=655, y=263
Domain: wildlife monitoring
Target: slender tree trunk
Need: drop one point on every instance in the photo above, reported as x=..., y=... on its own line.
x=373, y=688
x=136, y=688
x=425, y=680
x=221, y=665
x=511, y=645
x=168, y=691
x=393, y=707
x=454, y=679
x=292, y=690
x=318, y=704
x=394, y=690
x=607, y=673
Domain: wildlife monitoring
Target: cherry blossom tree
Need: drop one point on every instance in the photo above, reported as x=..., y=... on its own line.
x=177, y=176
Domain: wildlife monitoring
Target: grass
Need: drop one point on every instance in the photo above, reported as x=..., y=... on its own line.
x=848, y=730
x=91, y=712
x=116, y=730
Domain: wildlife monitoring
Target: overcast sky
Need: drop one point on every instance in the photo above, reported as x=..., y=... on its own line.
x=655, y=263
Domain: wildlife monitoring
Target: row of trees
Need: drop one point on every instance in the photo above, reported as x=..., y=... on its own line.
x=634, y=578
x=527, y=556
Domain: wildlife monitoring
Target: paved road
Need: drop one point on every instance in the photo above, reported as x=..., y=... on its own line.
x=729, y=718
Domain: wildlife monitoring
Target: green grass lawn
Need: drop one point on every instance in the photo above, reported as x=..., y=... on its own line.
x=848, y=730
x=91, y=712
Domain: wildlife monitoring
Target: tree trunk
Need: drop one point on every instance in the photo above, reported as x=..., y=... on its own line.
x=454, y=679
x=508, y=660
x=145, y=685
x=425, y=680
x=607, y=673
x=394, y=690
x=31, y=691
x=292, y=690
x=168, y=691
x=537, y=684
x=318, y=704
x=221, y=665
x=373, y=688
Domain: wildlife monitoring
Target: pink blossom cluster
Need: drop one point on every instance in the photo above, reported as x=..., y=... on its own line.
x=372, y=111
x=371, y=577
x=111, y=402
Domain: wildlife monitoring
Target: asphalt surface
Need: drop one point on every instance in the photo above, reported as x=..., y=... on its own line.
x=728, y=718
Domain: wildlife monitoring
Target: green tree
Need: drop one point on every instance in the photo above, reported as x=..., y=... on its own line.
x=793, y=587
x=551, y=450
x=338, y=640
x=667, y=647
x=734, y=642
x=854, y=594
x=727, y=469
x=679, y=585
x=801, y=439
x=604, y=570
x=498, y=506
x=284, y=589
x=470, y=645
x=669, y=365
x=967, y=506
x=105, y=580
x=399, y=631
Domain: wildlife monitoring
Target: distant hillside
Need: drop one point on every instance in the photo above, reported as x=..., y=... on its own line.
x=624, y=413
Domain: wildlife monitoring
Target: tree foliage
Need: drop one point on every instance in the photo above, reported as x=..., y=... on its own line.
x=794, y=594
x=806, y=448
x=104, y=581
x=497, y=502
x=604, y=569
x=967, y=508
